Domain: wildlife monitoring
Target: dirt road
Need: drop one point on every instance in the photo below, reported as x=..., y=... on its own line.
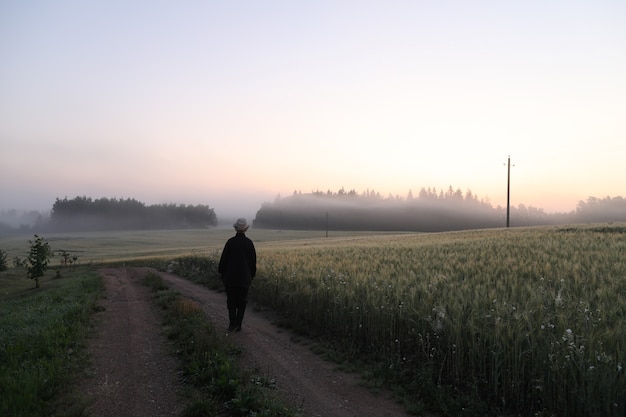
x=134, y=375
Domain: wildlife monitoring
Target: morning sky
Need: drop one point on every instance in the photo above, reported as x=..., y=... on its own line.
x=232, y=103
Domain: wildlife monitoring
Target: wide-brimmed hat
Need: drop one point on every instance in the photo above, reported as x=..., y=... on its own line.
x=241, y=225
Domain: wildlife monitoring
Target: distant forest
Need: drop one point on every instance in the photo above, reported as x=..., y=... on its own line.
x=83, y=213
x=429, y=211
x=86, y=214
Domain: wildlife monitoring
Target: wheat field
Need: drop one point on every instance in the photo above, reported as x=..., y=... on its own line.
x=529, y=319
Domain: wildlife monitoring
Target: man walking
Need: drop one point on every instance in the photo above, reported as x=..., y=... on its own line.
x=237, y=267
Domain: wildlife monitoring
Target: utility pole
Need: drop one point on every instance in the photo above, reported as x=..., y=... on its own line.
x=326, y=224
x=508, y=191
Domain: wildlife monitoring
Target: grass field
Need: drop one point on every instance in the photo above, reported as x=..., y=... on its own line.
x=117, y=247
x=528, y=321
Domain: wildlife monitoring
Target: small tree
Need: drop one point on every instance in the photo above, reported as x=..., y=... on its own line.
x=67, y=260
x=38, y=259
x=3, y=261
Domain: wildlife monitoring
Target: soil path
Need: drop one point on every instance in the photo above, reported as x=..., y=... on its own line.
x=135, y=376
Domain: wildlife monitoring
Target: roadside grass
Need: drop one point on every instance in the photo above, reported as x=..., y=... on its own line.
x=215, y=384
x=15, y=283
x=199, y=269
x=43, y=334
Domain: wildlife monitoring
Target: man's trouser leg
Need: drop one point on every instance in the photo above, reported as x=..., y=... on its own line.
x=242, y=301
x=232, y=308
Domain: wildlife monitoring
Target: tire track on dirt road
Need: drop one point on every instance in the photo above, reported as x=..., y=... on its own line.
x=132, y=373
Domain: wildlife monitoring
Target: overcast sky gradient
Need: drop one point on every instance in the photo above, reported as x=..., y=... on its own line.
x=232, y=103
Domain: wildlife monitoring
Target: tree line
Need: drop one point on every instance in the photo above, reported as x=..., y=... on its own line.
x=85, y=213
x=429, y=211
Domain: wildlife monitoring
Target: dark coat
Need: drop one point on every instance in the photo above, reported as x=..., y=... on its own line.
x=238, y=261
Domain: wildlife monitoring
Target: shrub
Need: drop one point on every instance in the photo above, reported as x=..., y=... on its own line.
x=3, y=261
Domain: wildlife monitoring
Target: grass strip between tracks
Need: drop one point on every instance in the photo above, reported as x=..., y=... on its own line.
x=214, y=383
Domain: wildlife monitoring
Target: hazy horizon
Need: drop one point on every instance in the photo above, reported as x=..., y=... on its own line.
x=231, y=104
x=246, y=205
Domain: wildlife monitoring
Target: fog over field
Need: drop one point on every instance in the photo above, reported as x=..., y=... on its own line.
x=429, y=211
